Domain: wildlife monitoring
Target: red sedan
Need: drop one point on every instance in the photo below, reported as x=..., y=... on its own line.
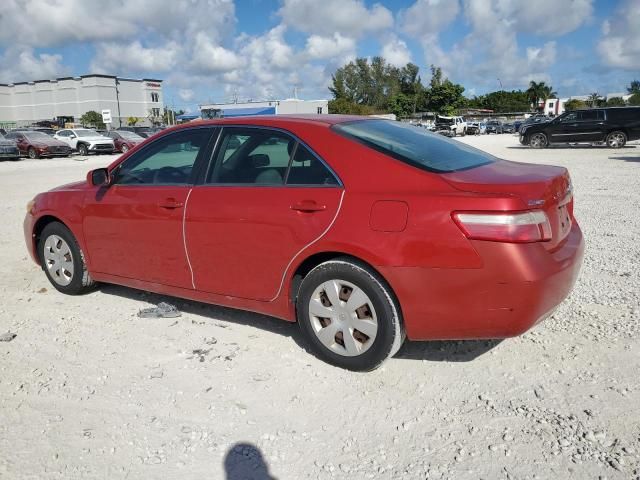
x=365, y=231
x=124, y=140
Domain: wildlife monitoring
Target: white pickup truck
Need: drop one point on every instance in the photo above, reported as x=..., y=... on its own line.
x=454, y=125
x=85, y=140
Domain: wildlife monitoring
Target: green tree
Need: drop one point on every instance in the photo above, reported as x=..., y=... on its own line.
x=132, y=121
x=615, y=102
x=92, y=119
x=634, y=87
x=444, y=96
x=347, y=107
x=539, y=92
x=502, y=101
x=634, y=99
x=574, y=104
x=401, y=105
x=594, y=100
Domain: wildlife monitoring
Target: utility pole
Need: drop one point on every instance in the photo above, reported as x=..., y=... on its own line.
x=118, y=100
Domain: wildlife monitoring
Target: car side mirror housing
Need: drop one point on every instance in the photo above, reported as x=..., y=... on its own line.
x=99, y=177
x=72, y=136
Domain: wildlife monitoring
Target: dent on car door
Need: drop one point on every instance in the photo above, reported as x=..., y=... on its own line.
x=133, y=228
x=266, y=198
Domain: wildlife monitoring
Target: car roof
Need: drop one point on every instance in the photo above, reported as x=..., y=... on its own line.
x=281, y=119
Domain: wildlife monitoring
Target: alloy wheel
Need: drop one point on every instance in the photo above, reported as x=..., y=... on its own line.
x=616, y=140
x=538, y=140
x=343, y=317
x=58, y=260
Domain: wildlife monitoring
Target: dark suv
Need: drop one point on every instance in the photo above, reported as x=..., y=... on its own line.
x=615, y=126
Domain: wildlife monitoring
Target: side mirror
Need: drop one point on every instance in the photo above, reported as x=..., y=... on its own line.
x=72, y=136
x=99, y=177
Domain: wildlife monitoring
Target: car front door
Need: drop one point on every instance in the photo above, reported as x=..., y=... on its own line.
x=265, y=199
x=565, y=129
x=134, y=227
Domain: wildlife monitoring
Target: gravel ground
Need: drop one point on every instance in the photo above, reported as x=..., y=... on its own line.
x=89, y=390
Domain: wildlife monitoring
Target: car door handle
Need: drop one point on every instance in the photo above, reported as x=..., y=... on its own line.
x=308, y=206
x=170, y=203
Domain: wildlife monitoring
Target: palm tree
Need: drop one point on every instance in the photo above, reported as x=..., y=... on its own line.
x=538, y=92
x=634, y=87
x=594, y=99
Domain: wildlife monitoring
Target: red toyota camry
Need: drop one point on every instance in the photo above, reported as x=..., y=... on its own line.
x=364, y=231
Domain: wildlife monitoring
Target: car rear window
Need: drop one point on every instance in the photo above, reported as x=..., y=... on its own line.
x=414, y=145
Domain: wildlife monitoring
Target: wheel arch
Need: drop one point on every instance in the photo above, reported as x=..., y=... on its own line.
x=39, y=226
x=315, y=259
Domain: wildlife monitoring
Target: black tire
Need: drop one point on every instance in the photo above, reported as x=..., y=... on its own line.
x=538, y=140
x=81, y=281
x=390, y=332
x=616, y=139
x=31, y=153
x=83, y=150
x=124, y=148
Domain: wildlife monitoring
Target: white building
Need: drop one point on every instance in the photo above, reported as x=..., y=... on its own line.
x=67, y=99
x=270, y=107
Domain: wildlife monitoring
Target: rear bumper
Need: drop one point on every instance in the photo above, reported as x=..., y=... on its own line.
x=518, y=286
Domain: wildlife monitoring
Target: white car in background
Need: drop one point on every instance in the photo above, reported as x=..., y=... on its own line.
x=85, y=140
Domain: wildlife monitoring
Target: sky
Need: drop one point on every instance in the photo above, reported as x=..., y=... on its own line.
x=217, y=50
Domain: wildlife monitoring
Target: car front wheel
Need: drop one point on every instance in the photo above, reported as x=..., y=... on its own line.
x=349, y=315
x=616, y=139
x=63, y=261
x=124, y=148
x=83, y=150
x=538, y=140
x=32, y=153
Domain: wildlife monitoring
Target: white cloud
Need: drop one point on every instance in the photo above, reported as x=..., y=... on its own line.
x=19, y=63
x=426, y=17
x=347, y=17
x=319, y=47
x=186, y=94
x=209, y=57
x=46, y=23
x=544, y=17
x=395, y=51
x=620, y=42
x=134, y=57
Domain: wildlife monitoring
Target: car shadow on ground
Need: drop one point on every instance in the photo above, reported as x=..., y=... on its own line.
x=433, y=351
x=569, y=146
x=634, y=159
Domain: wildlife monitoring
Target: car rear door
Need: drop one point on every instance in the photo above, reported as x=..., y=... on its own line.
x=266, y=198
x=590, y=125
x=134, y=228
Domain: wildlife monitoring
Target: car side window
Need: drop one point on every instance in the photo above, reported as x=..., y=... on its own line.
x=167, y=161
x=571, y=117
x=307, y=169
x=252, y=156
x=588, y=115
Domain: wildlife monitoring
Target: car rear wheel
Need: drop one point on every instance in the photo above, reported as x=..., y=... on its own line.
x=124, y=148
x=63, y=261
x=616, y=139
x=349, y=315
x=538, y=140
x=83, y=150
x=32, y=153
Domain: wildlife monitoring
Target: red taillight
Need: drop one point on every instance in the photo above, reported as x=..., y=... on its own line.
x=512, y=227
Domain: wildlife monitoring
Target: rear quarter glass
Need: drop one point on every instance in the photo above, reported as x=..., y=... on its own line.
x=414, y=145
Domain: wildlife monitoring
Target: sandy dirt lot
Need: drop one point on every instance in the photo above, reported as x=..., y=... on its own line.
x=89, y=390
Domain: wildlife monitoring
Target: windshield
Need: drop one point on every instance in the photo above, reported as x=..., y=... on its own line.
x=36, y=136
x=129, y=135
x=414, y=145
x=87, y=133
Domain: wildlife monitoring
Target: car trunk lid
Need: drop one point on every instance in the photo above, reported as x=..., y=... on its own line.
x=540, y=187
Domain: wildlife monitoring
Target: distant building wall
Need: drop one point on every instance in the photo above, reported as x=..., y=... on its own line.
x=28, y=102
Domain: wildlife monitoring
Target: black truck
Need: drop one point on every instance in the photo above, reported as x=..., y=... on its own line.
x=614, y=126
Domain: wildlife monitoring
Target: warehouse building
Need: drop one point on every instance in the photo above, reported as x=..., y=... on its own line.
x=65, y=100
x=270, y=107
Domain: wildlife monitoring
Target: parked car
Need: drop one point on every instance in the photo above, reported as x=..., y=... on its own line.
x=85, y=140
x=8, y=149
x=37, y=144
x=508, y=128
x=476, y=128
x=495, y=126
x=456, y=125
x=614, y=126
x=517, y=124
x=125, y=140
x=144, y=132
x=438, y=240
